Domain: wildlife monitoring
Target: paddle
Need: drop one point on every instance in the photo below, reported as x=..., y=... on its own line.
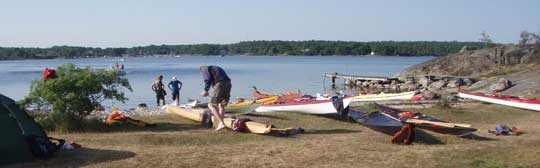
x=451, y=125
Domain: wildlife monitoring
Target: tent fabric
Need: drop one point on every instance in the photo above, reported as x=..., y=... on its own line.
x=15, y=124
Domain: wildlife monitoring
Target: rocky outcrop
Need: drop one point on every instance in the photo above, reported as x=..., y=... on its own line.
x=475, y=62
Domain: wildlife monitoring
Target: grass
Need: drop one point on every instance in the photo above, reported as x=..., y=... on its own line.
x=327, y=142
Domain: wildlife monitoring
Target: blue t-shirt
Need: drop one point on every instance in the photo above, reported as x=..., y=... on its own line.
x=176, y=85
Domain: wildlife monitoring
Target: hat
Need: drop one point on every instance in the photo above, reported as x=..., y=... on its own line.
x=174, y=78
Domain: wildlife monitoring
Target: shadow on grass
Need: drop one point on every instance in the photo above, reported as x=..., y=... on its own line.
x=330, y=131
x=478, y=137
x=264, y=116
x=159, y=127
x=79, y=158
x=426, y=138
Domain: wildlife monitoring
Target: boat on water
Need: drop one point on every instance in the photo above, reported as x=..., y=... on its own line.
x=282, y=97
x=529, y=104
x=384, y=97
x=309, y=106
x=197, y=114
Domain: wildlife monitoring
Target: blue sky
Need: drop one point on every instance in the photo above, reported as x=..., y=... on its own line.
x=122, y=23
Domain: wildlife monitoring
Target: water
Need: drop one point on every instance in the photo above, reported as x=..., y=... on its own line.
x=271, y=74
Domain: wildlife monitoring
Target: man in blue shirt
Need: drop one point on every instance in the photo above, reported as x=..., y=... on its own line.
x=175, y=85
x=220, y=82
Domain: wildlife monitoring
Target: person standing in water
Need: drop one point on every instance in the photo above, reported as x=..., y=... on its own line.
x=220, y=82
x=159, y=89
x=175, y=86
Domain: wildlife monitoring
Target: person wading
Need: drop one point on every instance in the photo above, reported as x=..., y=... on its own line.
x=220, y=82
x=159, y=89
x=175, y=85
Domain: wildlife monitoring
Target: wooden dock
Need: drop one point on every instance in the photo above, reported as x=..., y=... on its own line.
x=358, y=78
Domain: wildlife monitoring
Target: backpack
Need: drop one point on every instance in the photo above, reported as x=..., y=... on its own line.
x=43, y=147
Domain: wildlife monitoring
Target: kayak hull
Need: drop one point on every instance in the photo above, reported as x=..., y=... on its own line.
x=197, y=115
x=384, y=97
x=304, y=106
x=528, y=104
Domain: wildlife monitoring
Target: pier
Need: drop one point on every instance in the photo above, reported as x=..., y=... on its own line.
x=355, y=78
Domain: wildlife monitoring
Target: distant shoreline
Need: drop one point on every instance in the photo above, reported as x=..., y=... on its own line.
x=172, y=56
x=251, y=48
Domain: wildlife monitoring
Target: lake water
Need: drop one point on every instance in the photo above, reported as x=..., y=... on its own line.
x=271, y=74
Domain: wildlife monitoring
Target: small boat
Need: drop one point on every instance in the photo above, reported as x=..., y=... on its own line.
x=282, y=97
x=197, y=115
x=384, y=96
x=306, y=106
x=426, y=122
x=530, y=104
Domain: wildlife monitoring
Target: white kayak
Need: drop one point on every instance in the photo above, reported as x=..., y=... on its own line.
x=530, y=104
x=304, y=106
x=384, y=97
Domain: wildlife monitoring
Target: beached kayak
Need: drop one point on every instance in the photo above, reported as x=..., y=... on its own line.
x=426, y=122
x=282, y=97
x=530, y=104
x=377, y=121
x=305, y=106
x=384, y=97
x=197, y=115
x=240, y=109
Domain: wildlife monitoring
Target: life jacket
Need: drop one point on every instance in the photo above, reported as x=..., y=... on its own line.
x=49, y=73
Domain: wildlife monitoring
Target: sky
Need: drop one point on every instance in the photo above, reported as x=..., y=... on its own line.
x=123, y=23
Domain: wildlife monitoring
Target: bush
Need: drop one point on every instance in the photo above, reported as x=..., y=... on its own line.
x=74, y=94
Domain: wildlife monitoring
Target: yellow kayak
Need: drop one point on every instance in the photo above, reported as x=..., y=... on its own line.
x=197, y=115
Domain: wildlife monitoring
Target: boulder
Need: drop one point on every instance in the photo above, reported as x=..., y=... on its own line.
x=438, y=85
x=425, y=81
x=502, y=84
x=456, y=83
x=428, y=95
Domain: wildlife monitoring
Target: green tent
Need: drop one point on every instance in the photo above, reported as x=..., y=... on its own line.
x=15, y=123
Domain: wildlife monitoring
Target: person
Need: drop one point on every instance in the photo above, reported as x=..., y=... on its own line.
x=220, y=82
x=159, y=89
x=175, y=85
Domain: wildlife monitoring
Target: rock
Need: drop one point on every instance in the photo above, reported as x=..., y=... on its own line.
x=452, y=98
x=428, y=95
x=478, y=85
x=468, y=82
x=437, y=85
x=475, y=63
x=502, y=84
x=425, y=81
x=456, y=83
x=365, y=84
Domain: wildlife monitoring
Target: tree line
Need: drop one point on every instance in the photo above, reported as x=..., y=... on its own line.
x=309, y=48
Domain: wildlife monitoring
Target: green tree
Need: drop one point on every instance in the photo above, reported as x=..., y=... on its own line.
x=75, y=93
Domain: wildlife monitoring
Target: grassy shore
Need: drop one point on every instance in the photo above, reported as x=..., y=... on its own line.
x=178, y=142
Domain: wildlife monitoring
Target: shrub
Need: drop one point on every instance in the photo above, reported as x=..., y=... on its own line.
x=74, y=94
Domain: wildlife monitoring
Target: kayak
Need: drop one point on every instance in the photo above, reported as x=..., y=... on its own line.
x=376, y=121
x=283, y=97
x=384, y=96
x=249, y=105
x=197, y=115
x=426, y=122
x=305, y=106
x=530, y=104
x=244, y=108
